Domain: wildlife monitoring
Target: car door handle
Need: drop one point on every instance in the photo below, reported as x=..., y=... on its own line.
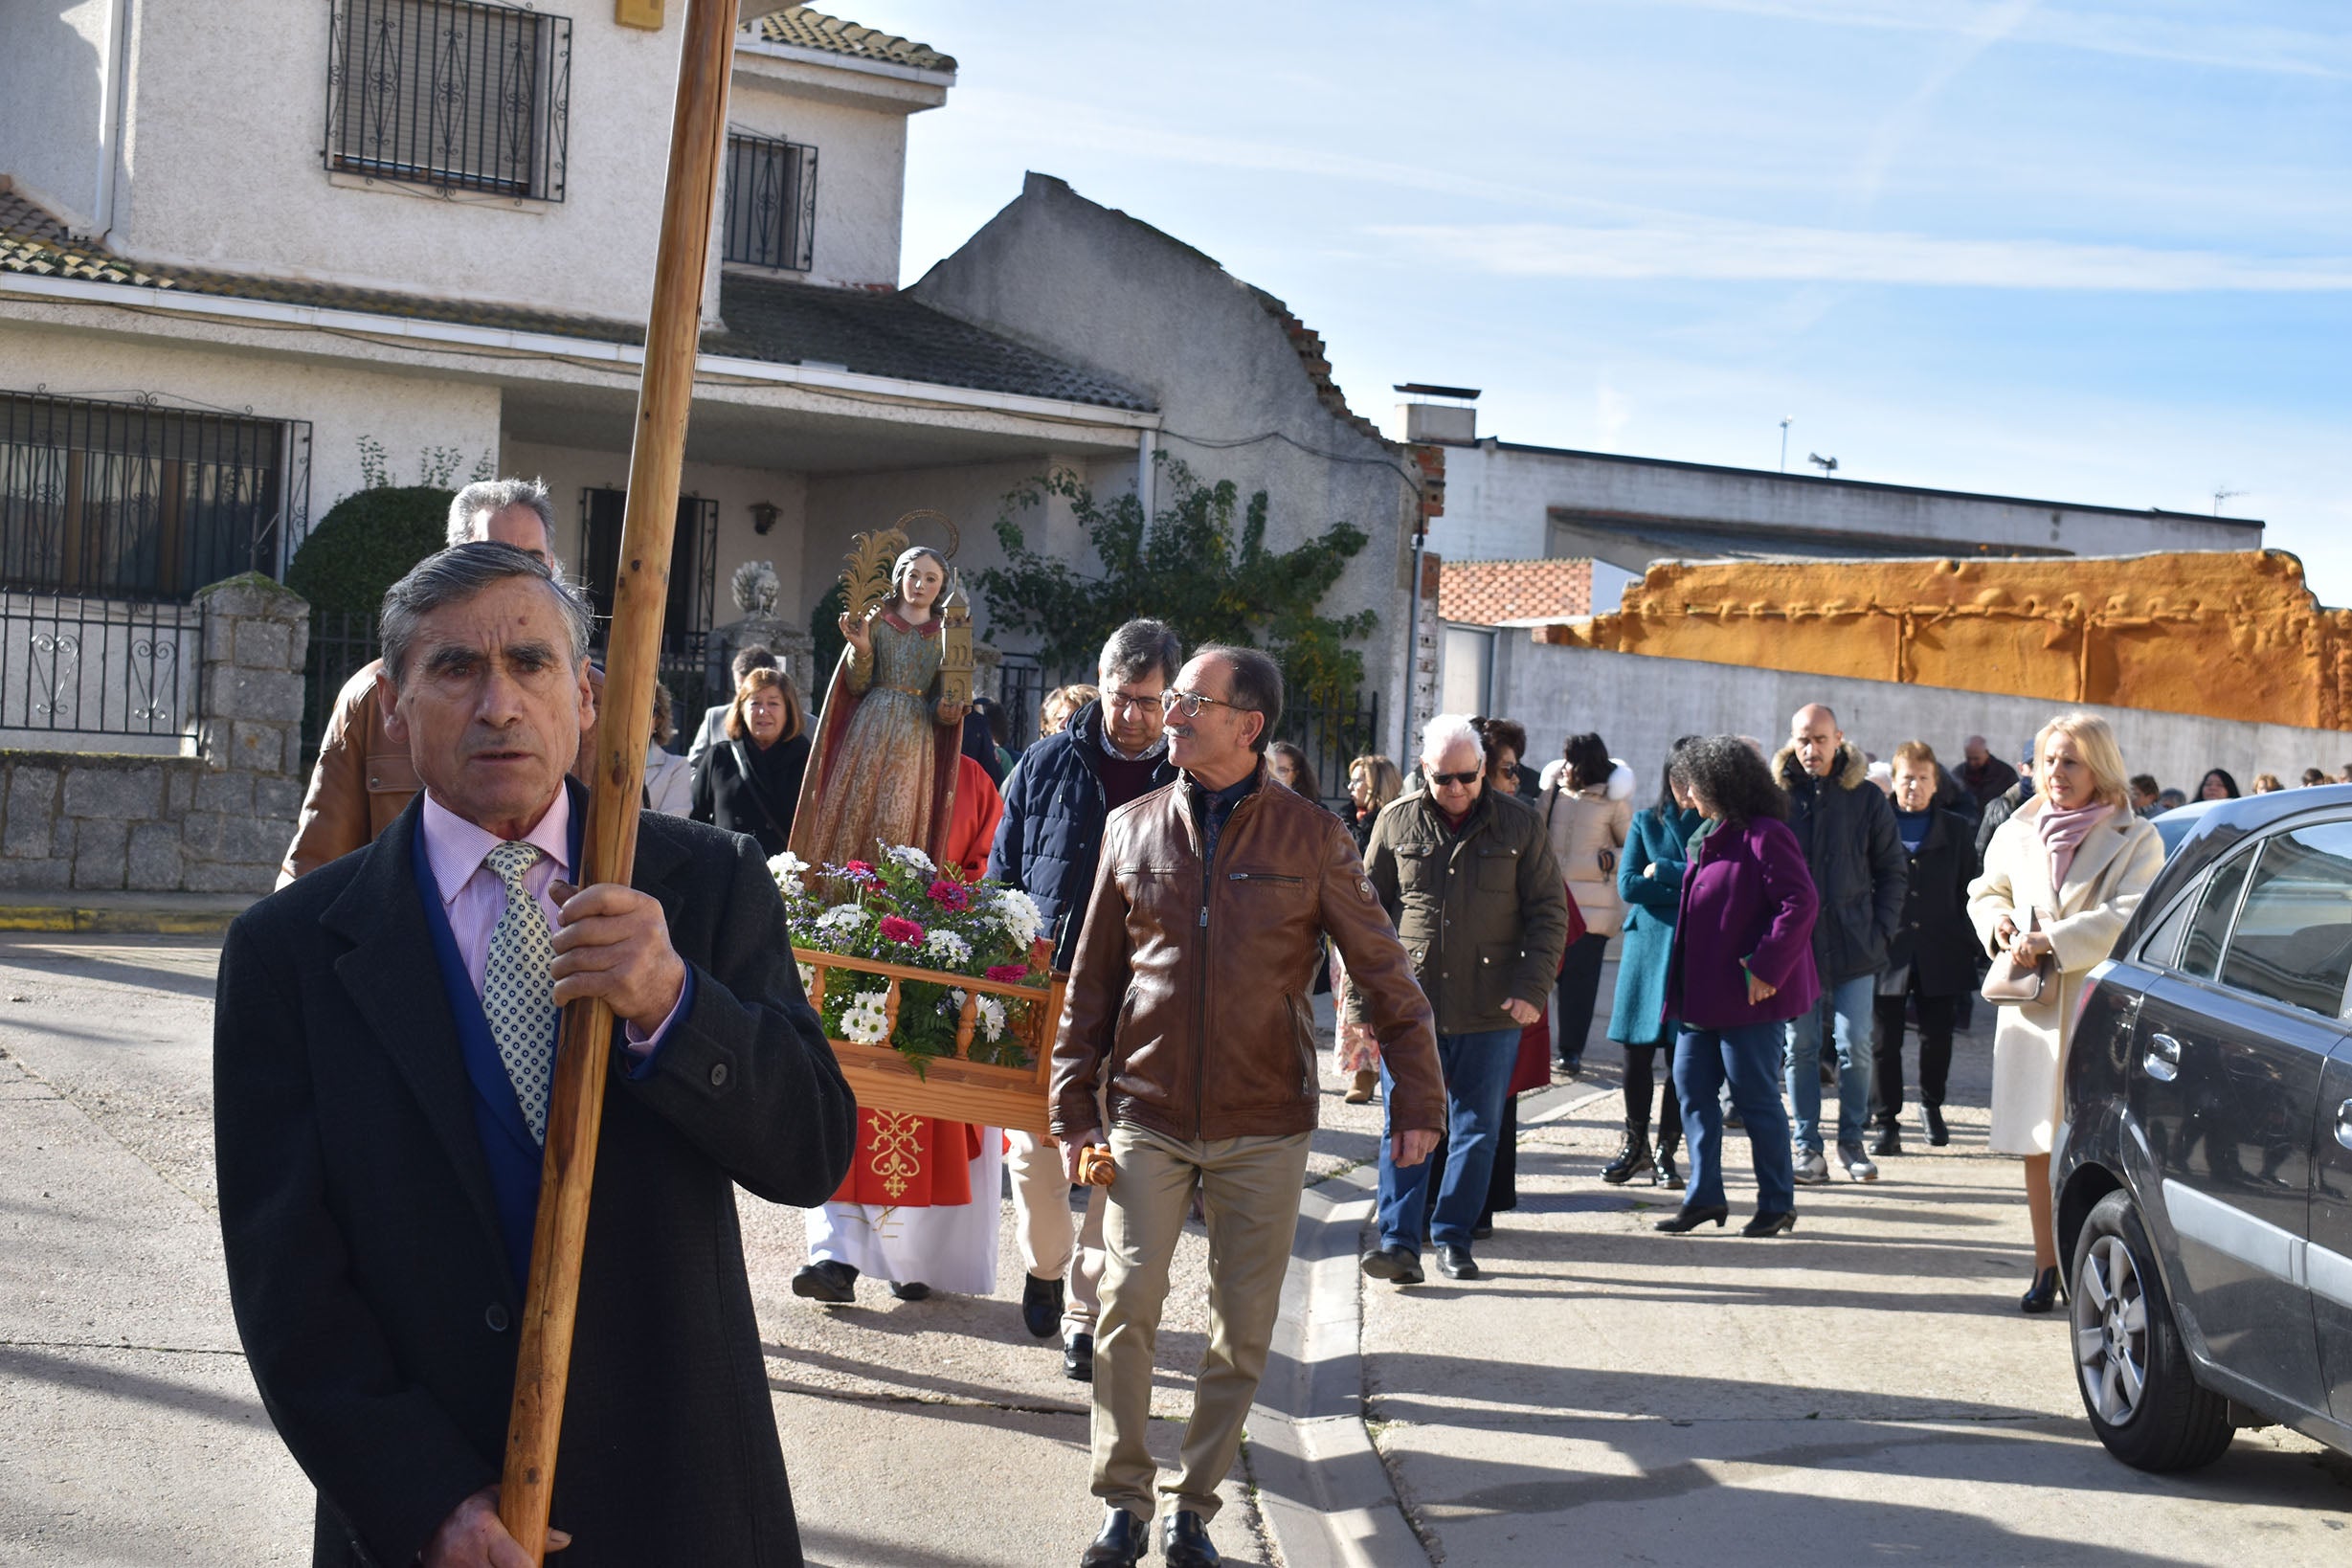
x=2344, y=1123
x=2164, y=1058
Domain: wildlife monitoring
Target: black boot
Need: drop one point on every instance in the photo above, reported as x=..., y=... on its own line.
x=1667, y=1173
x=1632, y=1159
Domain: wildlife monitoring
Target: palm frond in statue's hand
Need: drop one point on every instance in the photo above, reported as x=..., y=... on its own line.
x=867, y=581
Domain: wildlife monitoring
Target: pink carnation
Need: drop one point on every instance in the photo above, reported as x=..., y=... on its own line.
x=1008, y=972
x=952, y=895
x=899, y=928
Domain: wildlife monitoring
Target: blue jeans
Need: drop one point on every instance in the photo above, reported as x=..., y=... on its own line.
x=1704, y=1060
x=1849, y=1004
x=1477, y=1076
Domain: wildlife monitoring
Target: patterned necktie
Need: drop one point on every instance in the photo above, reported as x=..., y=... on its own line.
x=518, y=991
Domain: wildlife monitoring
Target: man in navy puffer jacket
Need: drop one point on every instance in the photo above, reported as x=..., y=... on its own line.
x=1055, y=804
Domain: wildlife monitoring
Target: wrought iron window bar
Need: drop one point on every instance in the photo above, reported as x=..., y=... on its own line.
x=138, y=501
x=459, y=95
x=84, y=666
x=770, y=214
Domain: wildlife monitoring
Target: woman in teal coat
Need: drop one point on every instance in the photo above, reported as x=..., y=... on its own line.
x=1650, y=879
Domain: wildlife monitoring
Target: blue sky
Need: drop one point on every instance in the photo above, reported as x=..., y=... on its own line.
x=2097, y=253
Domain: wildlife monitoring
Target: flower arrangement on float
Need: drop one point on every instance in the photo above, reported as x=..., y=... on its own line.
x=904, y=958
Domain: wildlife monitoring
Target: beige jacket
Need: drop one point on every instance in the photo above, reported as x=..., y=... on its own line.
x=2110, y=874
x=1588, y=831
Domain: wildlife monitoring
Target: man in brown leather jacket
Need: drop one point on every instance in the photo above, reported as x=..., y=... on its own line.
x=363, y=778
x=1188, y=999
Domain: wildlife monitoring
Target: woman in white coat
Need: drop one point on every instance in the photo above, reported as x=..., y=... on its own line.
x=1587, y=817
x=2079, y=859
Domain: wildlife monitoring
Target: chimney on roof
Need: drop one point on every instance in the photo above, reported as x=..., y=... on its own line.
x=1445, y=415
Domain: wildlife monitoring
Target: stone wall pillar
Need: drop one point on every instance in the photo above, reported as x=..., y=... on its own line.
x=216, y=822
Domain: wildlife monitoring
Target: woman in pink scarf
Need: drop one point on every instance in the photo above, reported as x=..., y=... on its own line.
x=2078, y=858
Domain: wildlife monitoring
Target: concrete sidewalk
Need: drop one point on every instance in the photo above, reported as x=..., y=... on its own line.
x=1864, y=1389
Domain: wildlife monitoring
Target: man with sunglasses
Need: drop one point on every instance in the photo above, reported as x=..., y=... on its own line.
x=1055, y=803
x=1470, y=879
x=1187, y=1016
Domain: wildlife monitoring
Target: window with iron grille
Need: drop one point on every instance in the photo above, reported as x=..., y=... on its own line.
x=454, y=94
x=138, y=501
x=694, y=548
x=771, y=202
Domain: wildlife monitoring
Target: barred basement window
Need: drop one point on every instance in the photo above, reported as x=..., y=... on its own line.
x=771, y=203
x=133, y=501
x=454, y=94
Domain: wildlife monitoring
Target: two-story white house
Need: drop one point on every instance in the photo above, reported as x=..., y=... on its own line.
x=251, y=254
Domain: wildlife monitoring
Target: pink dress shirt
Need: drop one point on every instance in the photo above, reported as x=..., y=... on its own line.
x=474, y=898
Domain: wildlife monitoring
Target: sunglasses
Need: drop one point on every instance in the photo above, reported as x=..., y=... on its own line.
x=1440, y=780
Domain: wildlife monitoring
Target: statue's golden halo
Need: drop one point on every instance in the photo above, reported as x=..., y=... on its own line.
x=927, y=514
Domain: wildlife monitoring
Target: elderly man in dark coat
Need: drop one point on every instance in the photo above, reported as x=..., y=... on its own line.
x=383, y=1054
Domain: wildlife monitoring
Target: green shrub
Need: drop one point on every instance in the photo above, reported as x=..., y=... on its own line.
x=367, y=542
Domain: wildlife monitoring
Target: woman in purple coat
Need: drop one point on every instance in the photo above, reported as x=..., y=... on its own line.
x=1742, y=966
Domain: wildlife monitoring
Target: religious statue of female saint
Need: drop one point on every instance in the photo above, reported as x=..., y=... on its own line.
x=882, y=769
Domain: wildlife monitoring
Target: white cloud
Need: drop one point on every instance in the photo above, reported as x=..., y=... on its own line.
x=1721, y=250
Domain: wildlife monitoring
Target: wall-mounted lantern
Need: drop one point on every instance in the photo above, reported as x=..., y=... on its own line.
x=763, y=516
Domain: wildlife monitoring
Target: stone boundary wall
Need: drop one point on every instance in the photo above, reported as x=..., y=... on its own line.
x=216, y=822
x=1640, y=703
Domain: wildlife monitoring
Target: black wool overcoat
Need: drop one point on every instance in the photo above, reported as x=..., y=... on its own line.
x=372, y=1286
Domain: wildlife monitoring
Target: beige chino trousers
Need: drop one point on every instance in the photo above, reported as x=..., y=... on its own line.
x=1249, y=1190
x=1052, y=1245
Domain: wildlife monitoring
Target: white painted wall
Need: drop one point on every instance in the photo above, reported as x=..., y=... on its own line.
x=342, y=401
x=1639, y=705
x=222, y=163
x=51, y=77
x=1499, y=497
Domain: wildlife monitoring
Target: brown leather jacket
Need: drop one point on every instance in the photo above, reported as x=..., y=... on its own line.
x=1198, y=996
x=363, y=778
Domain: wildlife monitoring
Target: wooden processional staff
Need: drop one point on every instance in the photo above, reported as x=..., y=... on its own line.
x=698, y=132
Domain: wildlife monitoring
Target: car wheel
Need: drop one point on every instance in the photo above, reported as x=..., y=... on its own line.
x=2129, y=1362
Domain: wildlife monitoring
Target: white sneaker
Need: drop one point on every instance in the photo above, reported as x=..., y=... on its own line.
x=1811, y=1169
x=1857, y=1164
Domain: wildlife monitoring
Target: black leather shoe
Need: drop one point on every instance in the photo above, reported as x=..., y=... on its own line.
x=1688, y=1219
x=1480, y=1231
x=1078, y=1358
x=1938, y=1134
x=1633, y=1158
x=2043, y=1293
x=1184, y=1543
x=827, y=1281
x=1041, y=1306
x=1393, y=1264
x=1120, y=1545
x=1455, y=1263
x=1770, y=1224
x=910, y=1289
x=1890, y=1141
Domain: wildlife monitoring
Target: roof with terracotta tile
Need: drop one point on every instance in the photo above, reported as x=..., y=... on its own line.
x=878, y=332
x=1490, y=593
x=805, y=27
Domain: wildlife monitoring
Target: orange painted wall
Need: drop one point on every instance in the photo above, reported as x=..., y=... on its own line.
x=2229, y=635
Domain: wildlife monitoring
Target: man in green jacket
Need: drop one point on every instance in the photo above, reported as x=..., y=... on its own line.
x=1475, y=892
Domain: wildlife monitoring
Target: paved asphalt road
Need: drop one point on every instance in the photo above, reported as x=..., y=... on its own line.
x=1863, y=1390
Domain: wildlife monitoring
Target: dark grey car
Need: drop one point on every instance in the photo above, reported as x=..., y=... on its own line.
x=2203, y=1170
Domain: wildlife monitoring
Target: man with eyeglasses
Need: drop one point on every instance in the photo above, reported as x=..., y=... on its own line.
x=1055, y=803
x=1469, y=878
x=1187, y=1020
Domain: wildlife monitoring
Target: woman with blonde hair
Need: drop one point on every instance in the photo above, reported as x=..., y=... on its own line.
x=1373, y=782
x=751, y=781
x=1057, y=707
x=2061, y=877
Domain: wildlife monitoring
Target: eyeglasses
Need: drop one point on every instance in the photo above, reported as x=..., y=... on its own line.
x=1120, y=702
x=1189, y=704
x=1440, y=780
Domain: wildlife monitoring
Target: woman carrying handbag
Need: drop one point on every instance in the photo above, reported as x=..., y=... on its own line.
x=2061, y=877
